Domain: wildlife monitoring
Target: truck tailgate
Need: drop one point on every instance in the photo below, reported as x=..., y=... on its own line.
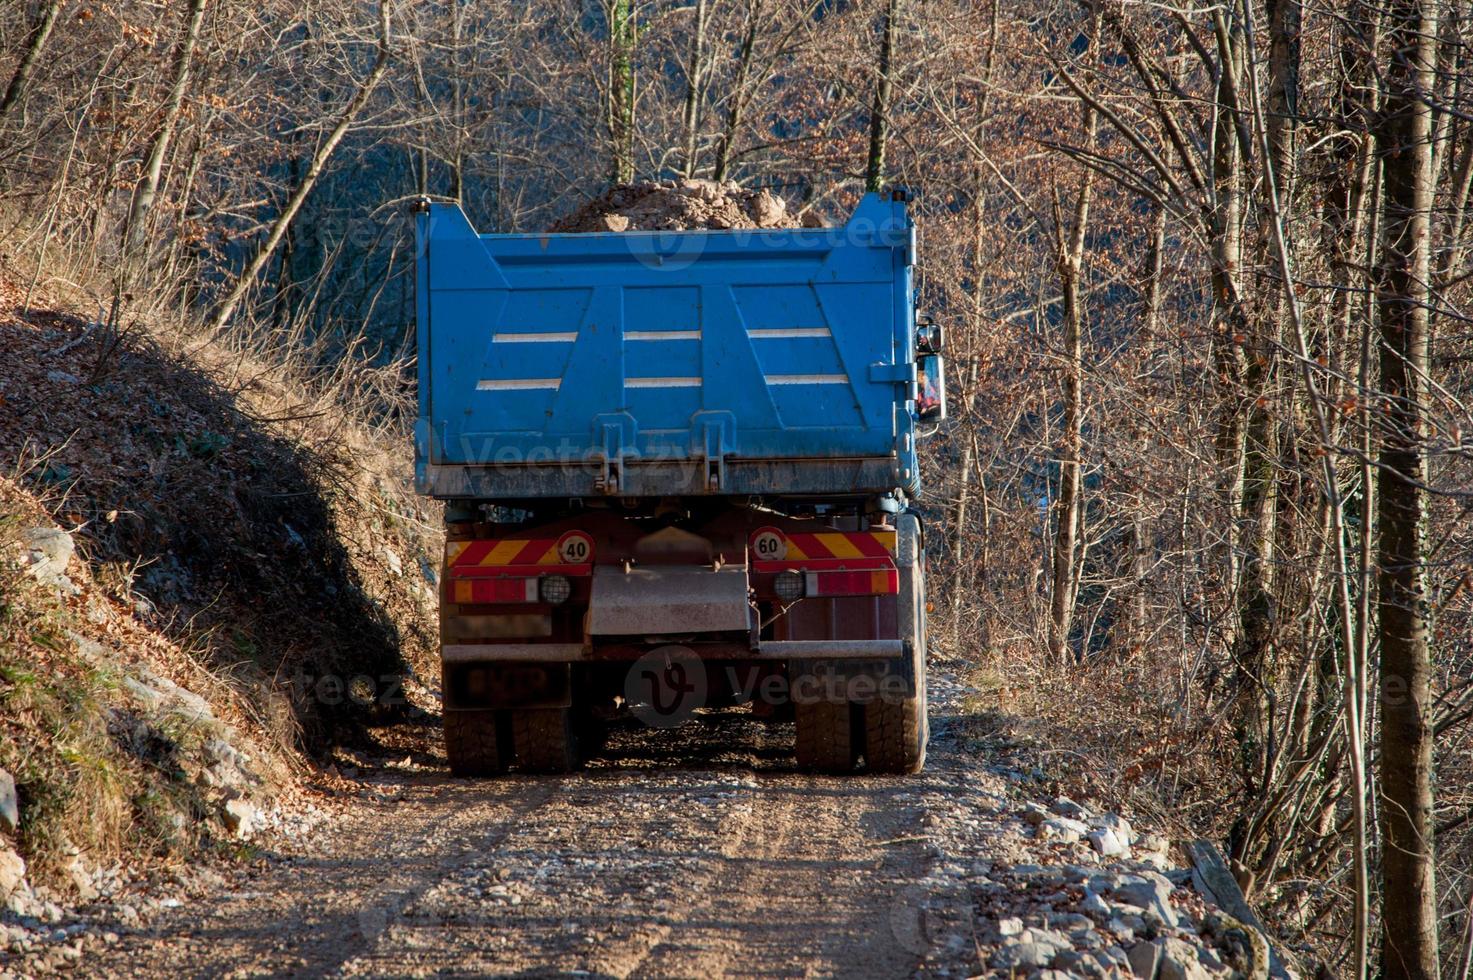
x=548, y=362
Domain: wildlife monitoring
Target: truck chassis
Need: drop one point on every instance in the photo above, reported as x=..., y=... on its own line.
x=811, y=614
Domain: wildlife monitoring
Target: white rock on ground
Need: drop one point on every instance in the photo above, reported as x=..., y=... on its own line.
x=1062, y=828
x=1152, y=893
x=12, y=872
x=1117, y=825
x=1107, y=843
x=48, y=550
x=241, y=818
x=9, y=803
x=1065, y=807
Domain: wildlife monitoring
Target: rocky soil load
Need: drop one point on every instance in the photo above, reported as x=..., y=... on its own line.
x=671, y=205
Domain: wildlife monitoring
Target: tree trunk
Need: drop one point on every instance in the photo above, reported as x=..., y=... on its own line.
x=1224, y=229
x=309, y=180
x=695, y=74
x=457, y=102
x=1409, y=896
x=879, y=114
x=147, y=188
x=737, y=97
x=35, y=44
x=622, y=34
x=1070, y=264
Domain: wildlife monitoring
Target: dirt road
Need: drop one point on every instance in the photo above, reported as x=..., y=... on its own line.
x=692, y=853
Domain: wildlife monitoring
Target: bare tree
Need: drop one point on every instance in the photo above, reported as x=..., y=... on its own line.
x=309, y=178
x=879, y=113
x=35, y=44
x=1409, y=896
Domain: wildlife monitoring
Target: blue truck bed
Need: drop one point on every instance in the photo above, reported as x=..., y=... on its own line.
x=666, y=363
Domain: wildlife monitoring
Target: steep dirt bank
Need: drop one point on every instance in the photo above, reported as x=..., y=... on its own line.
x=206, y=567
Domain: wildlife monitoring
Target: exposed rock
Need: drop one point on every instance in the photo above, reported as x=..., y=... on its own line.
x=1066, y=807
x=12, y=872
x=1024, y=955
x=241, y=818
x=9, y=803
x=48, y=550
x=1152, y=893
x=1145, y=960
x=1105, y=841
x=1062, y=828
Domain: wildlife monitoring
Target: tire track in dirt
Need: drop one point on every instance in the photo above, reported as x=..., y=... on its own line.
x=305, y=914
x=691, y=853
x=811, y=891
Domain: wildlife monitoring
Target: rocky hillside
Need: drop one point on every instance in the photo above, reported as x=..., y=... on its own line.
x=209, y=570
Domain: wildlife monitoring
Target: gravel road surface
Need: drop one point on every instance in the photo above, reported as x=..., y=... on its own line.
x=689, y=853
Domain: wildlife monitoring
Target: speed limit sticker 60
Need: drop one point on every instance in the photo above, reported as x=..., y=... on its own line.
x=769, y=545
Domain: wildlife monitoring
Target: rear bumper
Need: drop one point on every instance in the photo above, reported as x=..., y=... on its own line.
x=663, y=478
x=461, y=653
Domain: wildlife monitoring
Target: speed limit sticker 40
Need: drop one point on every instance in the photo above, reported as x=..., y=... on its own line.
x=575, y=548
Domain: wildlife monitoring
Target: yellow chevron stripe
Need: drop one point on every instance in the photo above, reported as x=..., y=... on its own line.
x=503, y=553
x=453, y=550
x=886, y=538
x=795, y=553
x=840, y=545
x=550, y=556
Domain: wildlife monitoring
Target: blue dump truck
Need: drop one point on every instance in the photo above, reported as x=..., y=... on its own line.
x=676, y=469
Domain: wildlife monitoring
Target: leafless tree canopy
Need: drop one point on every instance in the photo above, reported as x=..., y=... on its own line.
x=1206, y=500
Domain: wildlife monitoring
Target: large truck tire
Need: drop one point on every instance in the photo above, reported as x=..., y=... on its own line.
x=896, y=732
x=474, y=745
x=825, y=731
x=546, y=739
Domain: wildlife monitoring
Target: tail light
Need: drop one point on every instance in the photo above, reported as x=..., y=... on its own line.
x=825, y=562
x=875, y=582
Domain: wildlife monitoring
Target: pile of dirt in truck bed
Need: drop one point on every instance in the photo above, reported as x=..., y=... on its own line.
x=671, y=205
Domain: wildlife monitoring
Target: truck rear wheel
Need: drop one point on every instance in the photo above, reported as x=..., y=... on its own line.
x=895, y=735
x=546, y=739
x=473, y=744
x=896, y=730
x=826, y=741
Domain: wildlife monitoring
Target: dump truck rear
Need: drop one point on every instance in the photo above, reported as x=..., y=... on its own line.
x=677, y=469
